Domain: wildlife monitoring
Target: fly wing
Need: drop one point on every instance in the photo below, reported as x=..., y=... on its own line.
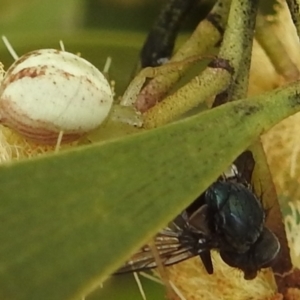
x=174, y=244
x=245, y=164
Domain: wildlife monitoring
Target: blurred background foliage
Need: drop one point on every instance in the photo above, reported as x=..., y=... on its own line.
x=95, y=28
x=69, y=16
x=72, y=15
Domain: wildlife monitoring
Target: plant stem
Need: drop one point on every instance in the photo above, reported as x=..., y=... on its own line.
x=237, y=47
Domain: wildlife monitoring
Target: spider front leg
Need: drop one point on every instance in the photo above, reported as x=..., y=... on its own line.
x=133, y=92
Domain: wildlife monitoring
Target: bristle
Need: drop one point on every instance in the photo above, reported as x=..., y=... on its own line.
x=139, y=284
x=9, y=47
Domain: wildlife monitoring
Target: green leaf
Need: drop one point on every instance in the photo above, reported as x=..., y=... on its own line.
x=69, y=220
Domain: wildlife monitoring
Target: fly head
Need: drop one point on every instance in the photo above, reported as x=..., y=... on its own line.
x=261, y=255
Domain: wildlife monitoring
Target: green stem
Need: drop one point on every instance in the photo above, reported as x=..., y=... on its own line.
x=237, y=45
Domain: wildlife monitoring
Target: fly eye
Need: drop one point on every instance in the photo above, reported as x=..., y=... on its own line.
x=266, y=249
x=261, y=255
x=233, y=259
x=242, y=261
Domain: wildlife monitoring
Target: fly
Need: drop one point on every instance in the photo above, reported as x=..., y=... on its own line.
x=227, y=217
